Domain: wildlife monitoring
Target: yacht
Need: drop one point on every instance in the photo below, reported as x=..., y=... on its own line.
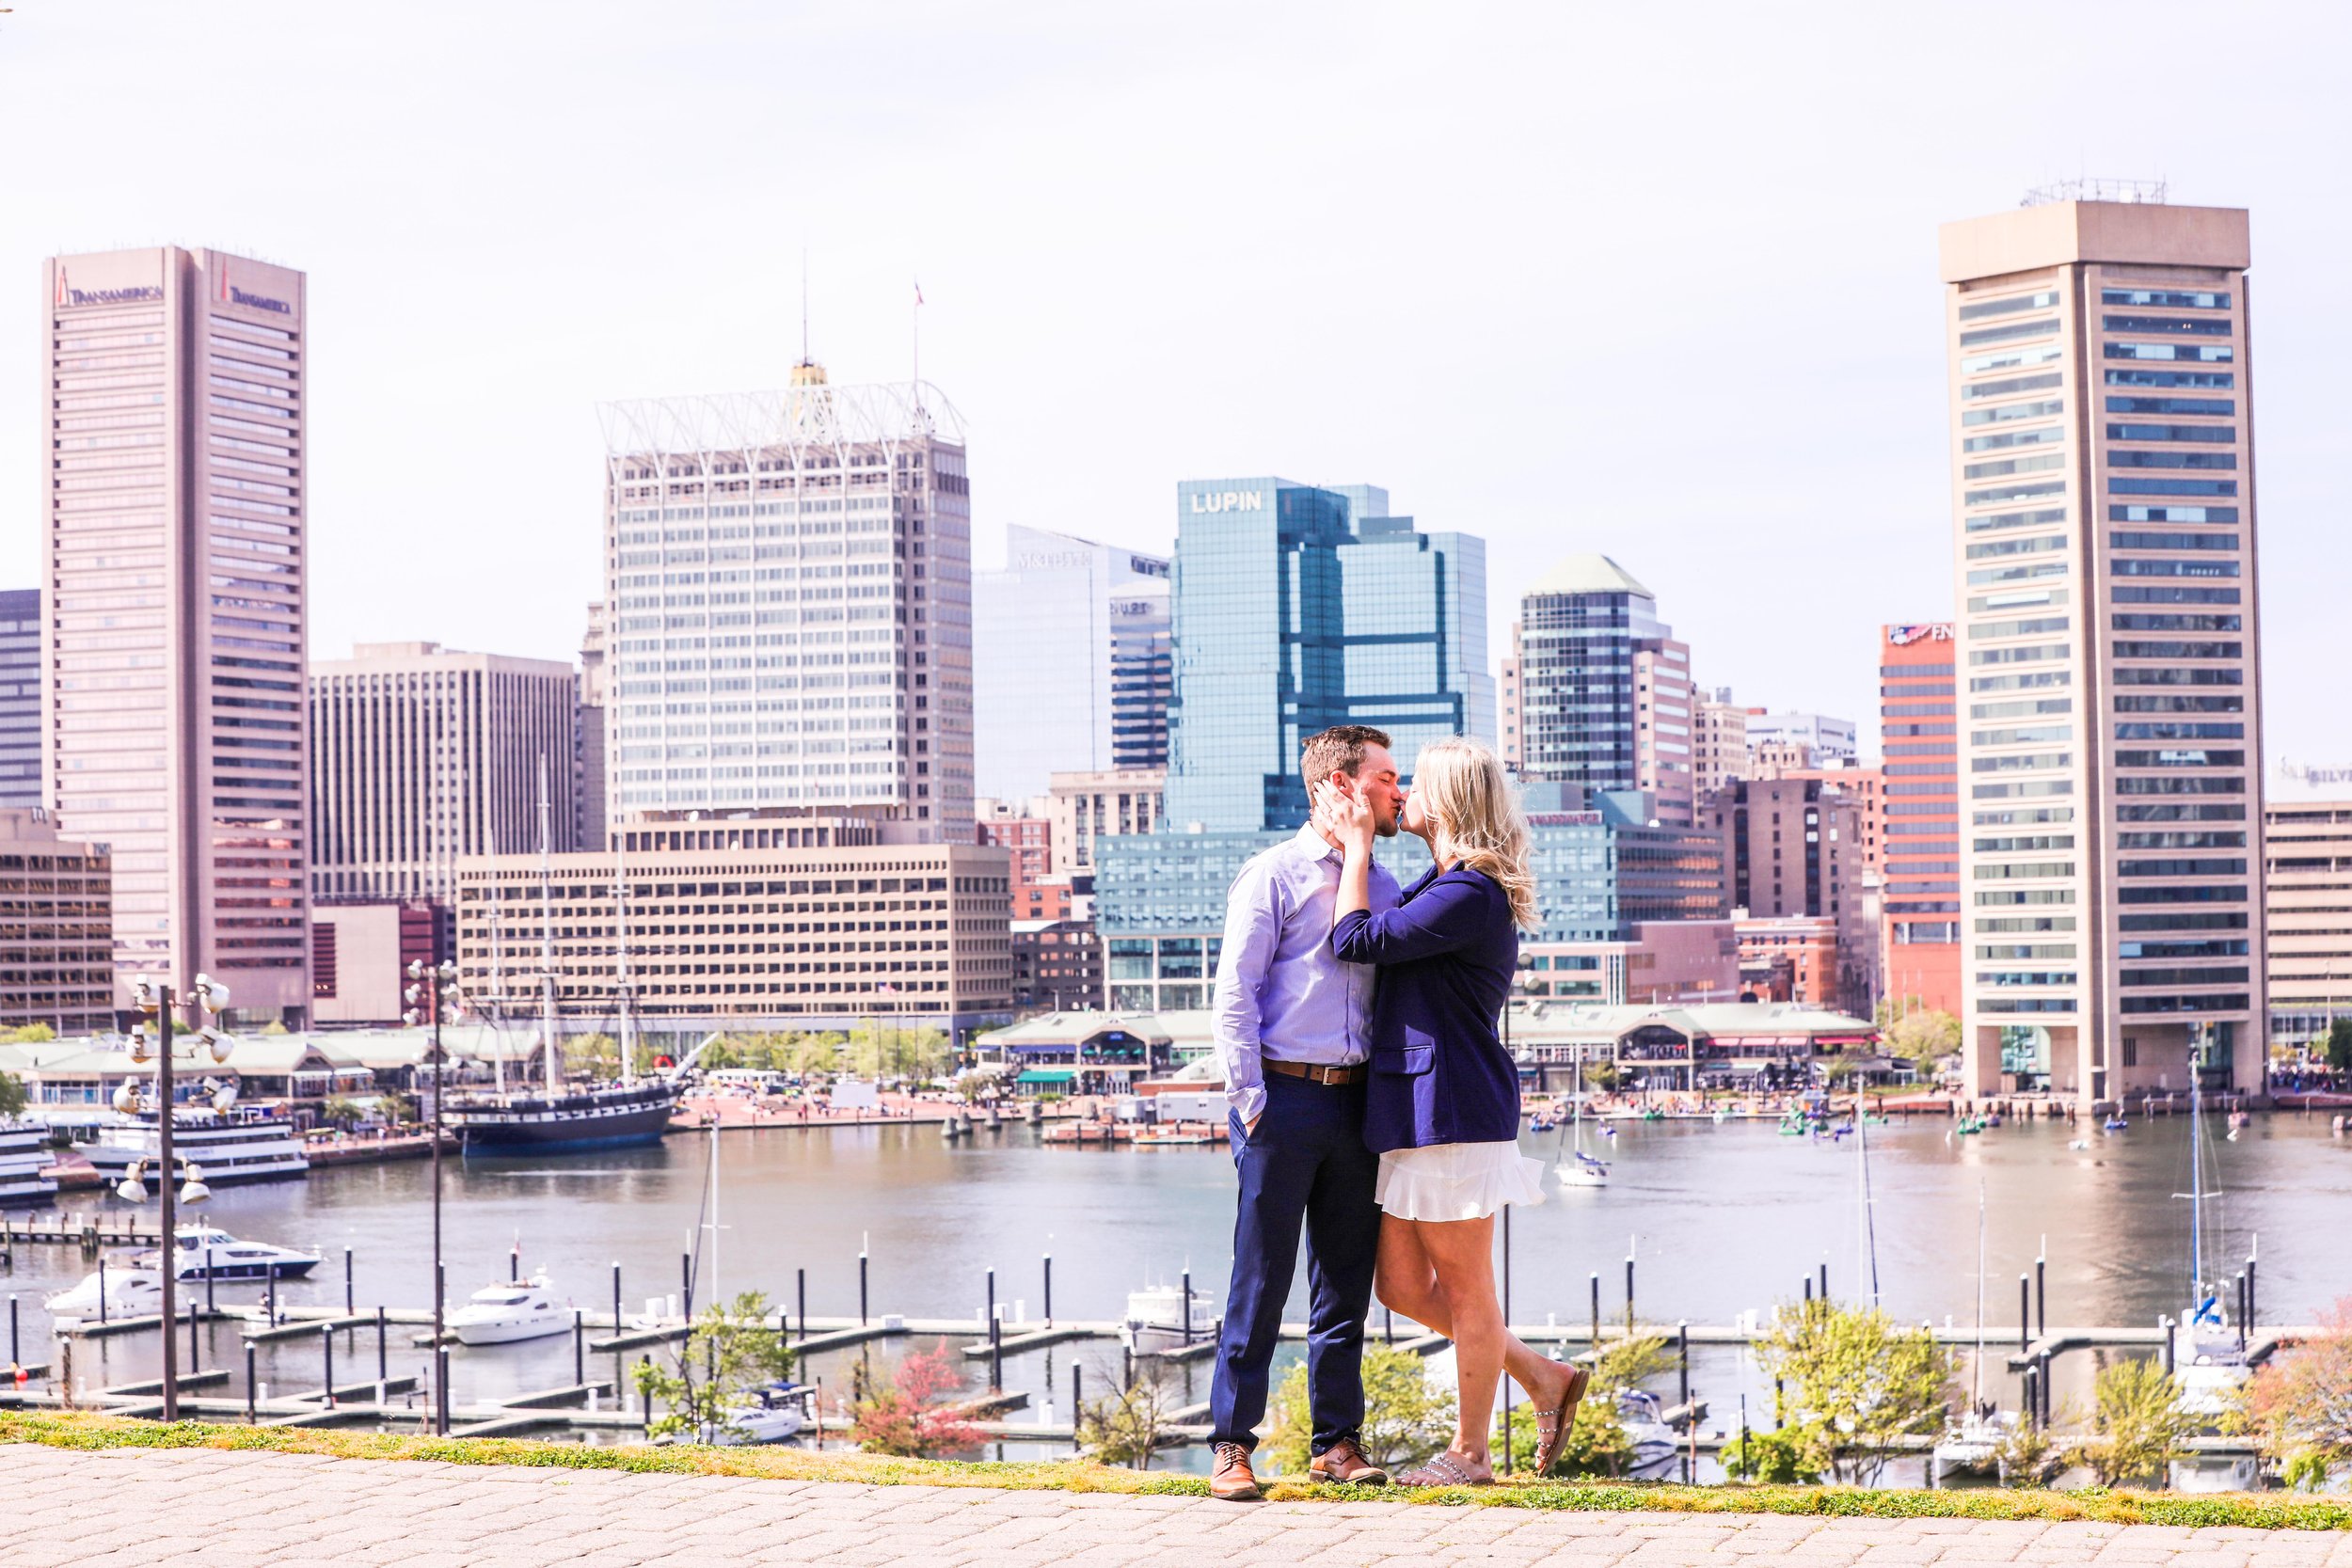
x=1653, y=1444
x=204, y=1253
x=130, y=1292
x=1971, y=1446
x=776, y=1414
x=1156, y=1319
x=24, y=1175
x=570, y=1121
x=231, y=1146
x=498, y=1314
x=2208, y=1353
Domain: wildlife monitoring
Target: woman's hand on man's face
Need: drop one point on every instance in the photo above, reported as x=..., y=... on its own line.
x=1344, y=815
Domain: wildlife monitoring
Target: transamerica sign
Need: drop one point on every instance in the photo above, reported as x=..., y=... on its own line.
x=68, y=297
x=232, y=295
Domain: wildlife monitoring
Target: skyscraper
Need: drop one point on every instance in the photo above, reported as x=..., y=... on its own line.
x=1919, y=817
x=594, y=696
x=788, y=577
x=173, y=704
x=1298, y=608
x=20, y=698
x=1074, y=661
x=1606, y=700
x=2104, y=502
x=421, y=753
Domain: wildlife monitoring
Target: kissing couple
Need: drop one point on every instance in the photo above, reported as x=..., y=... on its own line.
x=1372, y=1102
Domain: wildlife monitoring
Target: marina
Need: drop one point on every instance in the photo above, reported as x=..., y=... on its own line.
x=1020, y=1255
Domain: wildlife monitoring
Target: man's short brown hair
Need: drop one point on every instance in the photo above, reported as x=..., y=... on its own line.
x=1338, y=750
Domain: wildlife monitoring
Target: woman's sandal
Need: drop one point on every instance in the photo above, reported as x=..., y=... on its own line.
x=1554, y=1426
x=1443, y=1470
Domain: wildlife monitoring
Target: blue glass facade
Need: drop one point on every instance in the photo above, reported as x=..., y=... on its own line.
x=19, y=697
x=1297, y=607
x=1600, y=868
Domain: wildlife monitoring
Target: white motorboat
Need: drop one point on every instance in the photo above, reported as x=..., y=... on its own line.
x=1654, y=1444
x=1970, y=1448
x=130, y=1292
x=500, y=1314
x=777, y=1414
x=1156, y=1319
x=206, y=1253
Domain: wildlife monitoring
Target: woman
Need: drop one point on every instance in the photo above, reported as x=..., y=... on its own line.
x=1442, y=1110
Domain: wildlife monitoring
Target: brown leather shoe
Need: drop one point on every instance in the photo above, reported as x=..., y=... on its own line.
x=1233, y=1480
x=1344, y=1461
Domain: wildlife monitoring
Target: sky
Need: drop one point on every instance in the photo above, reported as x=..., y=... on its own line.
x=1653, y=281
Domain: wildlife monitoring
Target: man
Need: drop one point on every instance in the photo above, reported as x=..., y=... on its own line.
x=1292, y=1028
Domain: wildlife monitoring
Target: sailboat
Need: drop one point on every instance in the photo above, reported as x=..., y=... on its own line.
x=2208, y=1354
x=1579, y=1168
x=1972, y=1445
x=567, y=1119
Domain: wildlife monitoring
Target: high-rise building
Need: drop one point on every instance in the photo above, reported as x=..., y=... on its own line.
x=789, y=579
x=1510, y=703
x=1605, y=694
x=2307, y=854
x=595, y=694
x=1919, y=817
x=20, y=698
x=1794, y=849
x=173, y=697
x=1074, y=661
x=1298, y=608
x=57, y=943
x=1085, y=807
x=1800, y=740
x=421, y=754
x=2104, y=502
x=1718, y=742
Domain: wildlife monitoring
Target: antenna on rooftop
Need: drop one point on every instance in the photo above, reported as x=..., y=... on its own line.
x=804, y=360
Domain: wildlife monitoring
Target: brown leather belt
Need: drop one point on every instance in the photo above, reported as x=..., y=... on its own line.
x=1337, y=1077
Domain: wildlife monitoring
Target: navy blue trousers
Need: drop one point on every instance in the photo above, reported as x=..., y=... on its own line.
x=1306, y=1163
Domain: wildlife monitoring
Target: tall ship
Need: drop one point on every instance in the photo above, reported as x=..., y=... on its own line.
x=562, y=1116
x=230, y=1146
x=24, y=1164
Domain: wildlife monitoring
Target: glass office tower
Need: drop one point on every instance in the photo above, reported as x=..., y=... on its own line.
x=1297, y=607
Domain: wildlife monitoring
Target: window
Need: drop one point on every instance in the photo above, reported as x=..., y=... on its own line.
x=2221, y=381
x=2206, y=352
x=2169, y=459
x=2214, y=435
x=2042, y=463
x=2041, y=409
x=2009, y=330
x=2167, y=299
x=2004, y=388
x=2042, y=299
x=1999, y=520
x=2046, y=436
x=2174, y=541
x=2171, y=405
x=2184, y=326
x=2171, y=487
x=2172, y=514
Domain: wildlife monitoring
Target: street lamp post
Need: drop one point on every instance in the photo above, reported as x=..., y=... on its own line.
x=157, y=1005
x=430, y=991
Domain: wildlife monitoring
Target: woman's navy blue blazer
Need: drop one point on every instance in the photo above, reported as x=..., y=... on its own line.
x=1446, y=953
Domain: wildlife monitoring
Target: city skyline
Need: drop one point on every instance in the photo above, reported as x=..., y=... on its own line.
x=1357, y=368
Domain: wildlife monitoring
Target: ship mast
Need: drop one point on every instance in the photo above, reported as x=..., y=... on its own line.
x=547, y=942
x=498, y=971
x=627, y=1018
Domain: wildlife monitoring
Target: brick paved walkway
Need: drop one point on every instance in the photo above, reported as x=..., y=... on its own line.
x=61, y=1508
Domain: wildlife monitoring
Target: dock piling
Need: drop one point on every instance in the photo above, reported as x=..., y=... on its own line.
x=2025, y=1313
x=2250, y=1294
x=326, y=1345
x=351, y=1307
x=1628, y=1292
x=16, y=1346
x=579, y=1348
x=1825, y=1283
x=1077, y=1406
x=1187, y=1307
x=2165, y=1325
x=194, y=1364
x=616, y=1295
x=686, y=1278
x=1596, y=1315
x=2041, y=1296
x=102, y=1287
x=249, y=1419
x=441, y=1391
x=1049, y=1289
x=861, y=1287
x=988, y=1313
x=273, y=1298
x=382, y=1371
x=1682, y=1337
x=2243, y=1294
x=800, y=1284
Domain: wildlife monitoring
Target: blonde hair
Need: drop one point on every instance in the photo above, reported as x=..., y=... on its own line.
x=1475, y=820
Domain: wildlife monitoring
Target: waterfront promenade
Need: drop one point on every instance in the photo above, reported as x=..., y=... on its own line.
x=75, y=1509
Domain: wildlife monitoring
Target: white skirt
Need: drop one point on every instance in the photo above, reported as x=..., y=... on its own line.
x=1456, y=1181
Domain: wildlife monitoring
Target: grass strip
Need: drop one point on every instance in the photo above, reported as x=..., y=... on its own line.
x=2245, y=1510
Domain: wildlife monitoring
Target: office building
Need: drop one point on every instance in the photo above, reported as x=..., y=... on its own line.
x=173, y=531
x=588, y=819
x=1074, y=661
x=1920, y=942
x=768, y=920
x=1605, y=697
x=1655, y=963
x=1602, y=867
x=2105, y=525
x=2109, y=637
x=56, y=938
x=421, y=754
x=2307, y=860
x=1297, y=609
x=788, y=583
x=19, y=699
x=359, y=958
x=1719, y=743
x=1793, y=849
x=1510, y=700
x=1800, y=740
x=1081, y=808
x=1057, y=964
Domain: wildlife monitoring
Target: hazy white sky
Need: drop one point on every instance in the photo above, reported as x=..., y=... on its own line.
x=1657, y=281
